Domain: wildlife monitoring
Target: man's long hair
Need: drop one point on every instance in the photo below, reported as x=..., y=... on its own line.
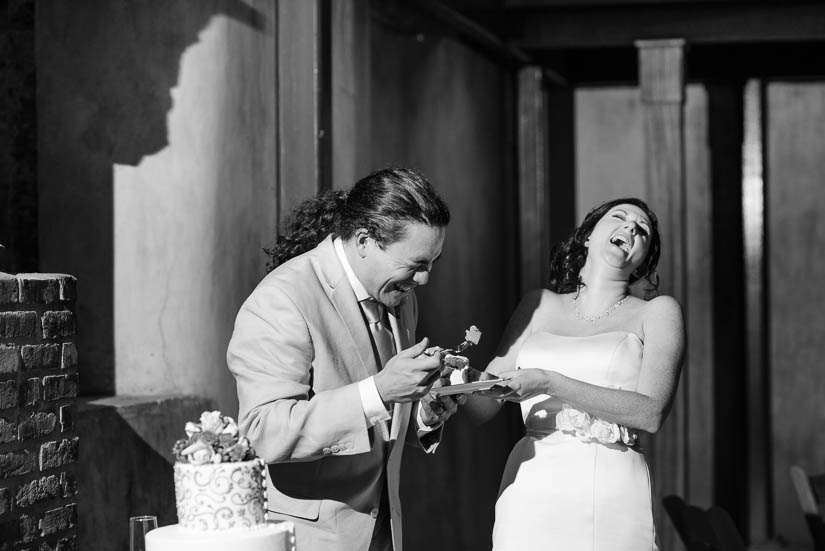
x=382, y=203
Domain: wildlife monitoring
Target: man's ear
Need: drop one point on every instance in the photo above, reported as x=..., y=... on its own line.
x=362, y=239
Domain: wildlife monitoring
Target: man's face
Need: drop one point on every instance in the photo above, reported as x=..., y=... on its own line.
x=390, y=273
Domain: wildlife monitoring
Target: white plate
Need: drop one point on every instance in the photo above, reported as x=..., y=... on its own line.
x=465, y=388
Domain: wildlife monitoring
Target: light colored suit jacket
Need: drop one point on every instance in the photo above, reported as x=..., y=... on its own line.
x=299, y=349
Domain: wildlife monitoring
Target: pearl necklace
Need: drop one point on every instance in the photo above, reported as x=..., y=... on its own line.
x=598, y=317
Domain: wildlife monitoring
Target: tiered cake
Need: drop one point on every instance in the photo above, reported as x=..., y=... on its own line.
x=219, y=491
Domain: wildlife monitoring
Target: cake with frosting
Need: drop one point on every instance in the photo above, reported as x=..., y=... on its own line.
x=219, y=494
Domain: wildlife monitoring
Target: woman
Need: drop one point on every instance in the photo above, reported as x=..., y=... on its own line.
x=591, y=365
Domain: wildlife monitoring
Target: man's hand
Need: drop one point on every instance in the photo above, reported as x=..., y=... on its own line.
x=436, y=410
x=407, y=375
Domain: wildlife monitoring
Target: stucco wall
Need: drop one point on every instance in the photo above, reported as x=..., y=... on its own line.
x=157, y=141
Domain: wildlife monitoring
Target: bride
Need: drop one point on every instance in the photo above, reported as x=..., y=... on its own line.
x=591, y=365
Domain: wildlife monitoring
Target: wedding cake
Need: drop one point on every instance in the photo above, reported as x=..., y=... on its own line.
x=219, y=494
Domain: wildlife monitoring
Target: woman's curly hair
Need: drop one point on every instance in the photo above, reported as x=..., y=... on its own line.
x=383, y=203
x=568, y=257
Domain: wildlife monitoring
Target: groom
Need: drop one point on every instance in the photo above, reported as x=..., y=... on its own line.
x=330, y=379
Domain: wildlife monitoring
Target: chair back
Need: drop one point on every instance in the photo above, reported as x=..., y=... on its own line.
x=810, y=492
x=725, y=529
x=700, y=530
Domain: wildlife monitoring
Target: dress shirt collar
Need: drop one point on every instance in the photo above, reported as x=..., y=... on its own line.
x=361, y=294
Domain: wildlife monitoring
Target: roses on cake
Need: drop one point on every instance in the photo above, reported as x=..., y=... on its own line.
x=215, y=439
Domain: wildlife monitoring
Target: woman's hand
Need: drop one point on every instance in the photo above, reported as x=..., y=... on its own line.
x=525, y=383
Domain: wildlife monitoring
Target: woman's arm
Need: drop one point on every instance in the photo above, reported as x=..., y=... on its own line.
x=647, y=407
x=479, y=408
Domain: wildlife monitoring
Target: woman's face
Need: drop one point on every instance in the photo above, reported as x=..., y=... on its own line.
x=622, y=237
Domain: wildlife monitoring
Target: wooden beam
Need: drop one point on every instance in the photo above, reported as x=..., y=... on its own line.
x=624, y=3
x=698, y=23
x=433, y=17
x=532, y=177
x=300, y=95
x=661, y=79
x=472, y=31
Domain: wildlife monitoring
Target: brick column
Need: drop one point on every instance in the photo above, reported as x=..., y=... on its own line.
x=38, y=394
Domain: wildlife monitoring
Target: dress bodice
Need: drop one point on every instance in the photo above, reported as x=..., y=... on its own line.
x=611, y=360
x=573, y=483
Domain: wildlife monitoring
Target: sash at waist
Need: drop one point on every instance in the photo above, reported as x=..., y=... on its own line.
x=539, y=427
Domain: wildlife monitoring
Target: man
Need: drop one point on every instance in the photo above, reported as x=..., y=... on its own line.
x=327, y=365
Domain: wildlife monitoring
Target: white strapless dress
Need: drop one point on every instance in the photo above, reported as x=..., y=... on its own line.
x=562, y=492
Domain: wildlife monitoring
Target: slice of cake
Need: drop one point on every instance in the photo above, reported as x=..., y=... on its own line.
x=219, y=493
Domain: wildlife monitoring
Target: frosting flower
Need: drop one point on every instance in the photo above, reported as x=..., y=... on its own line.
x=215, y=439
x=199, y=453
x=211, y=421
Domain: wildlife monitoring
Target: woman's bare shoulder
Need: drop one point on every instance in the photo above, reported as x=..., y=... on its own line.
x=662, y=308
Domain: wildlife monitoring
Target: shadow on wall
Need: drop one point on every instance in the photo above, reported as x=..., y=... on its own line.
x=131, y=62
x=105, y=75
x=125, y=464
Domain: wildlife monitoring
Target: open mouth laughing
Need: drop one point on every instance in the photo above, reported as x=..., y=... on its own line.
x=623, y=240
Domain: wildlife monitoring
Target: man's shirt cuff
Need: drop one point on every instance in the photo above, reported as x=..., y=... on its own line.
x=419, y=421
x=374, y=409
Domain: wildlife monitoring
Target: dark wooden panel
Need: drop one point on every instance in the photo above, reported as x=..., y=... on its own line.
x=795, y=162
x=300, y=112
x=698, y=306
x=532, y=176
x=444, y=109
x=561, y=166
x=725, y=138
x=350, y=59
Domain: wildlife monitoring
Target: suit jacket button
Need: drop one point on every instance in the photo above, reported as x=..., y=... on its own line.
x=374, y=513
x=327, y=451
x=335, y=448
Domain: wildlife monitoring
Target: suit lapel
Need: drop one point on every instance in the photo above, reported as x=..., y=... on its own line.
x=342, y=296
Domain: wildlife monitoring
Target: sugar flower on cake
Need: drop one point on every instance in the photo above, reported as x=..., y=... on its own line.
x=215, y=439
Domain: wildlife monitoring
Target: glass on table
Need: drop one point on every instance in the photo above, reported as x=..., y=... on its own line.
x=138, y=527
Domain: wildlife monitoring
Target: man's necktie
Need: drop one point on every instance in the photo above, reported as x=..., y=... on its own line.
x=378, y=322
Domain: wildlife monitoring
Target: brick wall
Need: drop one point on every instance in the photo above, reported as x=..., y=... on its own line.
x=38, y=394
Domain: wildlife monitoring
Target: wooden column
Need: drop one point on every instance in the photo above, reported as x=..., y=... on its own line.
x=757, y=375
x=350, y=70
x=532, y=177
x=661, y=79
x=302, y=113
